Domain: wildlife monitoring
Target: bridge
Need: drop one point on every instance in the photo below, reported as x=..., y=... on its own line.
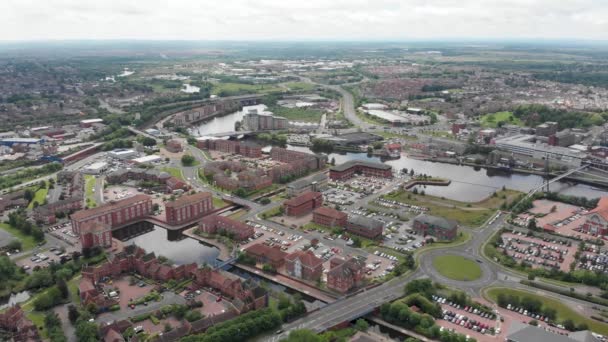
x=229, y=134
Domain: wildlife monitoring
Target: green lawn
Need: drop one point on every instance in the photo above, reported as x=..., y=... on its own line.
x=218, y=202
x=457, y=267
x=299, y=86
x=468, y=214
x=89, y=185
x=230, y=89
x=492, y=120
x=276, y=211
x=298, y=114
x=73, y=287
x=27, y=241
x=237, y=214
x=563, y=310
x=459, y=240
x=174, y=171
x=39, y=197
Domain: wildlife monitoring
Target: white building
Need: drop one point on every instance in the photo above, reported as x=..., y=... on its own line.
x=123, y=154
x=95, y=168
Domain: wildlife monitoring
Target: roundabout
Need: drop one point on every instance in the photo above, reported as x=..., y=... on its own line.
x=457, y=267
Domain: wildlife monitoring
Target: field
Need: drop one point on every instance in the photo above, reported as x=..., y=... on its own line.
x=218, y=202
x=298, y=114
x=468, y=214
x=39, y=197
x=563, y=311
x=89, y=187
x=174, y=171
x=232, y=89
x=457, y=267
x=27, y=241
x=492, y=120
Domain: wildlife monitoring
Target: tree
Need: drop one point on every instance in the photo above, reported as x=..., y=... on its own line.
x=240, y=192
x=532, y=224
x=188, y=160
x=14, y=245
x=63, y=288
x=361, y=325
x=265, y=200
x=73, y=313
x=302, y=335
x=86, y=331
x=29, y=194
x=155, y=207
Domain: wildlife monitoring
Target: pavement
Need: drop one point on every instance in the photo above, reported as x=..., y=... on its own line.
x=168, y=299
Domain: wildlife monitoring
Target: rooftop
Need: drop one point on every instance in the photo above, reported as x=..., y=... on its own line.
x=303, y=198
x=436, y=221
x=325, y=211
x=364, y=222
x=354, y=163
x=110, y=206
x=188, y=199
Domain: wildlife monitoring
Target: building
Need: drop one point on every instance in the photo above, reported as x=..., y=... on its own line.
x=250, y=150
x=304, y=265
x=258, y=119
x=17, y=325
x=522, y=332
x=364, y=226
x=329, y=217
x=96, y=234
x=174, y=184
x=96, y=168
x=264, y=254
x=115, y=213
x=89, y=122
x=350, y=168
x=215, y=224
x=303, y=204
x=174, y=146
x=316, y=182
x=149, y=159
x=47, y=213
x=245, y=148
x=526, y=145
x=562, y=138
x=596, y=220
x=546, y=129
x=345, y=274
x=123, y=154
x=13, y=200
x=188, y=208
x=437, y=227
x=302, y=160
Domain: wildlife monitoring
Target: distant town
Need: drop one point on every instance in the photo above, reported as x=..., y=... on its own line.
x=442, y=193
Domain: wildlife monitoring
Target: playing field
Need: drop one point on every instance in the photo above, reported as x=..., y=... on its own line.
x=457, y=267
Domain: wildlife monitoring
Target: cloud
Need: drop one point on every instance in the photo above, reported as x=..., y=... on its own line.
x=308, y=19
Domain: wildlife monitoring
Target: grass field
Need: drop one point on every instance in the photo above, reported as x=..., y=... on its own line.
x=298, y=114
x=457, y=267
x=237, y=214
x=459, y=240
x=492, y=120
x=39, y=197
x=174, y=171
x=89, y=185
x=27, y=241
x=563, y=310
x=218, y=202
x=229, y=89
x=468, y=214
x=299, y=86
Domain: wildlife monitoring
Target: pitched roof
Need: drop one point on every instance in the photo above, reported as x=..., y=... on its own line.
x=274, y=254
x=306, y=258
x=94, y=227
x=520, y=332
x=333, y=213
x=303, y=198
x=188, y=199
x=353, y=163
x=601, y=208
x=439, y=222
x=108, y=207
x=345, y=268
x=364, y=222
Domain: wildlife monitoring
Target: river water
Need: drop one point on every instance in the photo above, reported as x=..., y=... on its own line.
x=468, y=183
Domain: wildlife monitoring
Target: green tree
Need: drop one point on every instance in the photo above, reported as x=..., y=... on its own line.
x=188, y=160
x=303, y=335
x=361, y=325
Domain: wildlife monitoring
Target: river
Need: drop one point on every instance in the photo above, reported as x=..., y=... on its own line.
x=468, y=183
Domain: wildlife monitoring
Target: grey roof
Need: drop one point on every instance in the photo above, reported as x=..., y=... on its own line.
x=436, y=221
x=365, y=222
x=520, y=332
x=304, y=182
x=351, y=163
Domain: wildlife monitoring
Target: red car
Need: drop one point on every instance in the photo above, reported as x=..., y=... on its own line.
x=219, y=299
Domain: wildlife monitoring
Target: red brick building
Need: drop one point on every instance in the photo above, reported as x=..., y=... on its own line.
x=329, y=217
x=188, y=208
x=266, y=255
x=214, y=224
x=305, y=160
x=365, y=226
x=115, y=213
x=174, y=146
x=20, y=328
x=304, y=265
x=345, y=274
x=369, y=169
x=250, y=150
x=246, y=149
x=596, y=220
x=46, y=213
x=303, y=204
x=437, y=227
x=95, y=233
x=174, y=183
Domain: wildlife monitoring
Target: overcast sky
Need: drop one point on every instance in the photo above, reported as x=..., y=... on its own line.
x=302, y=19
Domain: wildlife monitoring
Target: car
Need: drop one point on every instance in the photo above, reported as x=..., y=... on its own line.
x=278, y=332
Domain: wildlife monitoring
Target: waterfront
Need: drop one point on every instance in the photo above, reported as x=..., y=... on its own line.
x=181, y=252
x=218, y=124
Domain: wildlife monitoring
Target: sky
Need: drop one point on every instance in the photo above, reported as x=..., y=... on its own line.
x=302, y=19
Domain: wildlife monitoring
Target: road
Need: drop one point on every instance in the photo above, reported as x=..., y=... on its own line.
x=168, y=299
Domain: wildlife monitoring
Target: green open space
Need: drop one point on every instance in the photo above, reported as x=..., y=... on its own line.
x=462, y=237
x=218, y=202
x=457, y=267
x=491, y=120
x=174, y=171
x=39, y=197
x=471, y=214
x=237, y=214
x=232, y=89
x=89, y=186
x=27, y=241
x=298, y=114
x=564, y=312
